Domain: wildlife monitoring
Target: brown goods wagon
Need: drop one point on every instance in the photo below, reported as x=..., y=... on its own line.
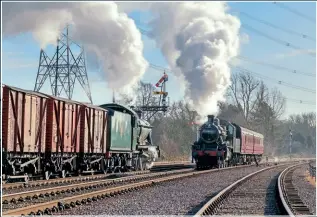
x=23, y=120
x=63, y=125
x=94, y=122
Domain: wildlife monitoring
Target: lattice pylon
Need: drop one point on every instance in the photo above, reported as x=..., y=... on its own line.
x=64, y=68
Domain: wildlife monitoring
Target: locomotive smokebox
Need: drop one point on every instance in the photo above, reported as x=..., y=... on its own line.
x=211, y=118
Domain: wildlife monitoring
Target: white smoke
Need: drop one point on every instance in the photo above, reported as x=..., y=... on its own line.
x=199, y=38
x=99, y=26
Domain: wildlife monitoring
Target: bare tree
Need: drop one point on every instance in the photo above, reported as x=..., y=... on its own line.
x=243, y=92
x=269, y=107
x=177, y=127
x=143, y=97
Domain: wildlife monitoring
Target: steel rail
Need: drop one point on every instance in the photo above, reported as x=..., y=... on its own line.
x=211, y=206
x=290, y=200
x=69, y=202
x=64, y=180
x=46, y=192
x=157, y=166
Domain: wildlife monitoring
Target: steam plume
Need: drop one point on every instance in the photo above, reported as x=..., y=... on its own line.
x=198, y=39
x=100, y=27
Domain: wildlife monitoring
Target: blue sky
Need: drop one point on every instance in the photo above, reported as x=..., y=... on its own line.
x=20, y=55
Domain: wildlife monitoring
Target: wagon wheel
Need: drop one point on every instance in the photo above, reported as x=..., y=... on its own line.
x=47, y=175
x=104, y=168
x=26, y=178
x=63, y=174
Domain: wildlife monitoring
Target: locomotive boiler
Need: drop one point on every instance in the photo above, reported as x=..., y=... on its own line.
x=221, y=143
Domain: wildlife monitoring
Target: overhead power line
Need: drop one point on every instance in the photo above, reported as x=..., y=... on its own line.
x=282, y=5
x=289, y=31
x=279, y=41
x=276, y=66
x=160, y=68
x=147, y=33
x=301, y=101
x=274, y=80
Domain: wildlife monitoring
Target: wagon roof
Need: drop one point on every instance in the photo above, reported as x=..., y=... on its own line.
x=94, y=106
x=26, y=91
x=251, y=132
x=64, y=99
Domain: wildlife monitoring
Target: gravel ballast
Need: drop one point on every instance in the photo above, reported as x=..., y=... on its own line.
x=306, y=191
x=178, y=197
x=110, y=184
x=257, y=196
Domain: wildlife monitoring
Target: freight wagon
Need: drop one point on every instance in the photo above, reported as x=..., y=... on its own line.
x=43, y=135
x=222, y=143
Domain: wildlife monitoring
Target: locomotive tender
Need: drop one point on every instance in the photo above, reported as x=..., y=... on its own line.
x=221, y=143
x=43, y=135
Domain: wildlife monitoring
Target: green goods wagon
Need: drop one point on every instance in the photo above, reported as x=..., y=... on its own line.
x=121, y=132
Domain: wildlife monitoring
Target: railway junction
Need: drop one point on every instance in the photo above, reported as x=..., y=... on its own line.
x=273, y=189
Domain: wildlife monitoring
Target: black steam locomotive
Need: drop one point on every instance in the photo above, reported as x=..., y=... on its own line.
x=221, y=143
x=211, y=148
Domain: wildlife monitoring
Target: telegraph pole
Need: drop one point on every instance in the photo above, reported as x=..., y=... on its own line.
x=290, y=144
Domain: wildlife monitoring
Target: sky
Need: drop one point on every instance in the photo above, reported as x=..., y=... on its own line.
x=20, y=55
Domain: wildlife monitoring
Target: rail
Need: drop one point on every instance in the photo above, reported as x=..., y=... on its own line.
x=211, y=207
x=53, y=206
x=290, y=201
x=158, y=166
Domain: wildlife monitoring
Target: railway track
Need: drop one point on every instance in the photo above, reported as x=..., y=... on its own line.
x=289, y=198
x=254, y=194
x=49, y=193
x=159, y=166
x=93, y=194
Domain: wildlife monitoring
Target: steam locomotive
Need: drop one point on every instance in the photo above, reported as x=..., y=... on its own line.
x=221, y=143
x=47, y=136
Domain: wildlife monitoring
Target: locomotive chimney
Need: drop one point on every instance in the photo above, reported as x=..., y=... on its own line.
x=211, y=118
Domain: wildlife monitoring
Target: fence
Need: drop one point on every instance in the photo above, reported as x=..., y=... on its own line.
x=312, y=169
